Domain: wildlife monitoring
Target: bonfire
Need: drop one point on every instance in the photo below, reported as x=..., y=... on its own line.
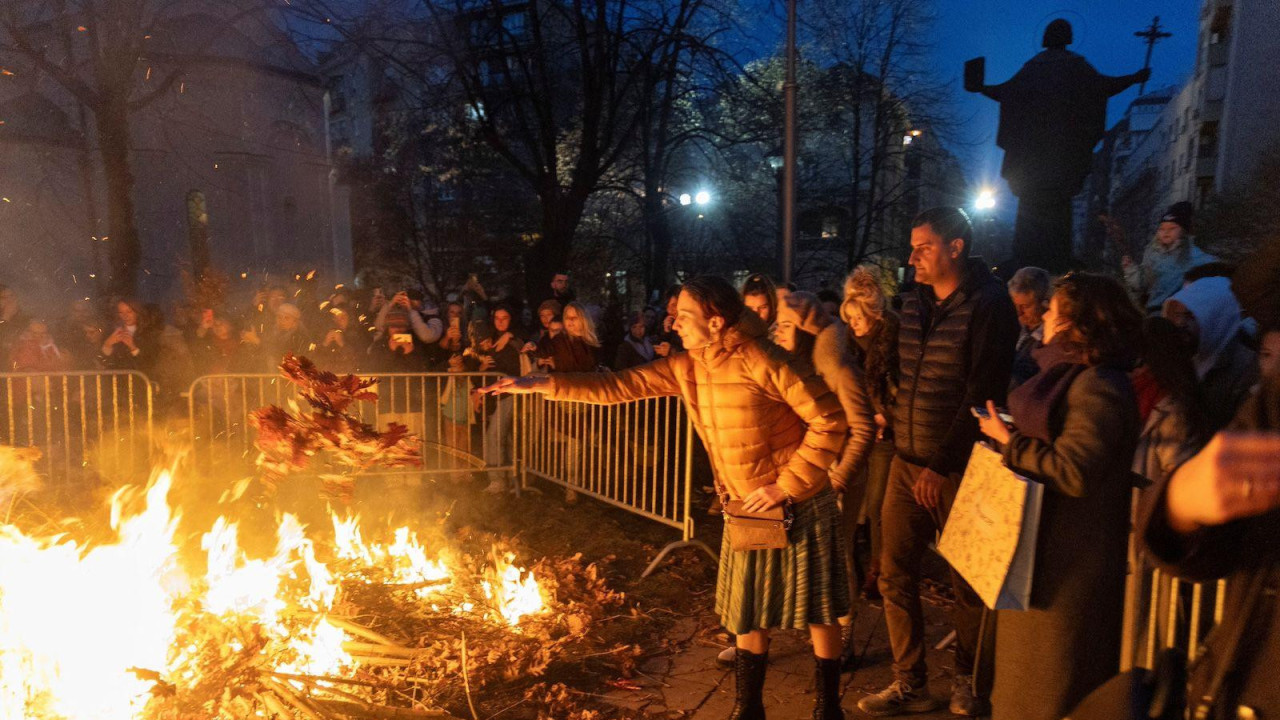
x=347, y=620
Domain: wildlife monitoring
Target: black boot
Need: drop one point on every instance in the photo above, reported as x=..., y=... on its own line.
x=749, y=669
x=848, y=648
x=826, y=703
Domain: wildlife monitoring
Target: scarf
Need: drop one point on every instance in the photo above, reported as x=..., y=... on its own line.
x=1033, y=402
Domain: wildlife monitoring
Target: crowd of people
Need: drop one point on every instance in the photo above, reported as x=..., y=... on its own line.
x=866, y=408
x=857, y=411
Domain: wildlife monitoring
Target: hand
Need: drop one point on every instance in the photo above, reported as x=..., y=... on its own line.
x=518, y=386
x=453, y=333
x=662, y=349
x=882, y=424
x=1235, y=476
x=928, y=489
x=486, y=345
x=668, y=322
x=487, y=363
x=401, y=298
x=547, y=362
x=992, y=426
x=528, y=348
x=763, y=498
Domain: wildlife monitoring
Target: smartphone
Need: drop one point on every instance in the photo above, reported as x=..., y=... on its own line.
x=982, y=414
x=402, y=338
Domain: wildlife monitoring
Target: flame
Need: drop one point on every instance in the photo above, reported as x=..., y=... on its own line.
x=86, y=631
x=513, y=592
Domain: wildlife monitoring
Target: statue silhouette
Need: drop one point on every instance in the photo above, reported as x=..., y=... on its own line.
x=1052, y=113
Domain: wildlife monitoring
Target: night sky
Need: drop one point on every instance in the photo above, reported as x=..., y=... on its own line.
x=1008, y=32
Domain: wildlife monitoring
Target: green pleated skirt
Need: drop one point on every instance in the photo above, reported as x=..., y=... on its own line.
x=805, y=583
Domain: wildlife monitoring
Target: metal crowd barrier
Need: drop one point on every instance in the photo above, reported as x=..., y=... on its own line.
x=457, y=436
x=1162, y=612
x=634, y=456
x=89, y=426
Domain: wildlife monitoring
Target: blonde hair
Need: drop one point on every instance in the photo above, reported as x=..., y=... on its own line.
x=588, y=335
x=864, y=294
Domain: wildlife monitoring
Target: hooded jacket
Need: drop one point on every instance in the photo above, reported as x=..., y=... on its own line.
x=761, y=420
x=954, y=355
x=1227, y=368
x=834, y=363
x=1160, y=273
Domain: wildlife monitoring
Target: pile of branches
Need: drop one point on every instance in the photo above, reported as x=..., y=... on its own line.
x=287, y=440
x=427, y=658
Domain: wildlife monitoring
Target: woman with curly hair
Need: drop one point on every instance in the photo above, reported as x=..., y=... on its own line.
x=873, y=342
x=1076, y=431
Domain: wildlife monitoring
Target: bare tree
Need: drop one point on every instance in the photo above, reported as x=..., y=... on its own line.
x=879, y=53
x=113, y=58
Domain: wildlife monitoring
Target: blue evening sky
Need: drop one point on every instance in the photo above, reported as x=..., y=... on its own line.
x=1008, y=32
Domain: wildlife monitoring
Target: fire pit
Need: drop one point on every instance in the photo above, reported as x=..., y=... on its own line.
x=158, y=620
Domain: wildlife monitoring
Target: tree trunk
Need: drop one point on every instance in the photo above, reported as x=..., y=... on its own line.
x=124, y=251
x=561, y=214
x=658, y=227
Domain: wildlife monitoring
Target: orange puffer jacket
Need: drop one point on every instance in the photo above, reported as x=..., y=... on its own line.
x=761, y=421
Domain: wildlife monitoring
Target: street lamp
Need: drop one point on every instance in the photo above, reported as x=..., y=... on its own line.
x=686, y=199
x=702, y=198
x=986, y=200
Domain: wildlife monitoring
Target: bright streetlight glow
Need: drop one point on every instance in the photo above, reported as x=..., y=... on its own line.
x=702, y=198
x=986, y=200
x=686, y=198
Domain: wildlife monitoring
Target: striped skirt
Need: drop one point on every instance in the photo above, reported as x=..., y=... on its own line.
x=805, y=583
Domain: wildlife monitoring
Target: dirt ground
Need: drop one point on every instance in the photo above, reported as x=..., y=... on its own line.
x=674, y=674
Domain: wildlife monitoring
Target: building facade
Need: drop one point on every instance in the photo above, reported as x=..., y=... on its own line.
x=243, y=127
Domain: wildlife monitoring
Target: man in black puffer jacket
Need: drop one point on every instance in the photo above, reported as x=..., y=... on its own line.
x=956, y=347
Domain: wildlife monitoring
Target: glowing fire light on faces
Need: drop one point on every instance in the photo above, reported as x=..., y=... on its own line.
x=77, y=623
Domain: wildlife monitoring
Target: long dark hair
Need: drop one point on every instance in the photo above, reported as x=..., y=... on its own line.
x=1167, y=355
x=716, y=297
x=1104, y=320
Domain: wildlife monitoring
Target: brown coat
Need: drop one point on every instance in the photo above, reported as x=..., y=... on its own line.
x=761, y=421
x=833, y=361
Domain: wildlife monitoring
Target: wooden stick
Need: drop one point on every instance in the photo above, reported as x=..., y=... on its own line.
x=308, y=710
x=274, y=705
x=361, y=631
x=466, y=679
x=359, y=648
x=381, y=661
x=371, y=712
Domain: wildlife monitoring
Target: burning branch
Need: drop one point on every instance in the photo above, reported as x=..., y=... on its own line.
x=287, y=441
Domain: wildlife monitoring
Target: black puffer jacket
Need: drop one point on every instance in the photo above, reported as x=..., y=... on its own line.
x=954, y=355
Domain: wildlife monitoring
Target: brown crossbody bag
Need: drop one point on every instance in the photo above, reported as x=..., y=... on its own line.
x=765, y=530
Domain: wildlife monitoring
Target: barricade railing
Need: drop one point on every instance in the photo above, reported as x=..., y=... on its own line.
x=635, y=456
x=459, y=433
x=89, y=426
x=1163, y=612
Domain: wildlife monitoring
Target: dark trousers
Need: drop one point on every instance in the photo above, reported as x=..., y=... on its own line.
x=907, y=531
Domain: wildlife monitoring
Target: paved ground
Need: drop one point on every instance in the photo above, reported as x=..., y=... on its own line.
x=688, y=684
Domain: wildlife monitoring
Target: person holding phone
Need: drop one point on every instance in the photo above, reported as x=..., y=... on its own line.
x=406, y=326
x=1077, y=431
x=134, y=343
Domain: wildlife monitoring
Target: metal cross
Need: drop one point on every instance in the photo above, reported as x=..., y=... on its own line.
x=1152, y=35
